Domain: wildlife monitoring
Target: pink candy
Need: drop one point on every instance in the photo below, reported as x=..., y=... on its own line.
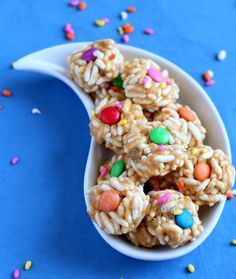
x=71, y=31
x=125, y=38
x=74, y=3
x=149, y=31
x=67, y=27
x=15, y=160
x=155, y=75
x=160, y=148
x=168, y=82
x=118, y=106
x=104, y=171
x=210, y=82
x=88, y=54
x=106, y=20
x=16, y=273
x=144, y=80
x=164, y=198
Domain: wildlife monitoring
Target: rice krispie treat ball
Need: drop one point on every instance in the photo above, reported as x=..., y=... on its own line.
x=142, y=237
x=117, y=205
x=154, y=149
x=119, y=166
x=172, y=218
x=95, y=65
x=112, y=120
x=146, y=84
x=206, y=176
x=188, y=119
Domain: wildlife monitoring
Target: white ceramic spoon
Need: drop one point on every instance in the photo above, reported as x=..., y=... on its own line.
x=53, y=61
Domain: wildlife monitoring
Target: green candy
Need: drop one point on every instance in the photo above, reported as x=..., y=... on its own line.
x=118, y=82
x=117, y=168
x=159, y=135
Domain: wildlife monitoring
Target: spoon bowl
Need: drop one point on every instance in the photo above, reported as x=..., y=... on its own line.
x=53, y=62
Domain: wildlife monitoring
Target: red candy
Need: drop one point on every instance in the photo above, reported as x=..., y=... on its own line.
x=110, y=115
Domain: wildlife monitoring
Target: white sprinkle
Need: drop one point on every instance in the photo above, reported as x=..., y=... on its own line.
x=98, y=54
x=100, y=64
x=36, y=111
x=124, y=15
x=221, y=55
x=211, y=73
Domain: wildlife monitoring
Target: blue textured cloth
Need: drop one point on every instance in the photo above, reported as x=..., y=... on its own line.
x=42, y=209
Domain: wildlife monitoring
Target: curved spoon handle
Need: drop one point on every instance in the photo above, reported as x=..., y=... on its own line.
x=53, y=62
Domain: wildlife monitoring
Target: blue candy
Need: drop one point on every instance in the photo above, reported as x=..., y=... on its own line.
x=184, y=220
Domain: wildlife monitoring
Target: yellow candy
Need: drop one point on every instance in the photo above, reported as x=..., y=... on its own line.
x=191, y=268
x=100, y=23
x=123, y=122
x=163, y=85
x=92, y=112
x=204, y=150
x=194, y=151
x=234, y=242
x=177, y=212
x=28, y=265
x=120, y=30
x=107, y=97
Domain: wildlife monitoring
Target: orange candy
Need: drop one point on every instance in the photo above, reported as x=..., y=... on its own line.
x=206, y=76
x=109, y=201
x=230, y=196
x=112, y=56
x=187, y=114
x=166, y=111
x=126, y=25
x=70, y=36
x=6, y=93
x=180, y=185
x=202, y=171
x=128, y=28
x=82, y=6
x=131, y=9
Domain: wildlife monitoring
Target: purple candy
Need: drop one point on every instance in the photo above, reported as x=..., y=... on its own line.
x=155, y=75
x=88, y=54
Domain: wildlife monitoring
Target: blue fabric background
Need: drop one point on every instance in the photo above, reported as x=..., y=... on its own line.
x=42, y=210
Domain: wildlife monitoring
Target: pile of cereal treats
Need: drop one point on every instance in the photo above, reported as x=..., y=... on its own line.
x=150, y=191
